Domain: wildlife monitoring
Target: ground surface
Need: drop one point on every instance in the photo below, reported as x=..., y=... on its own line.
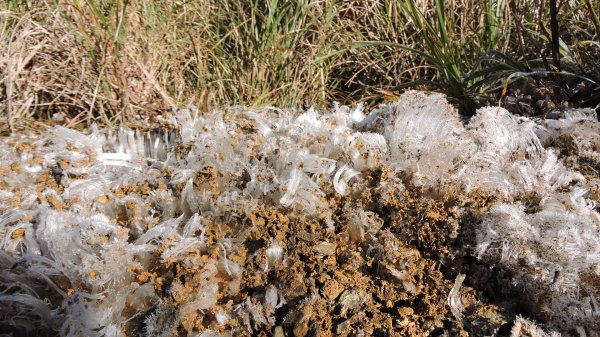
x=230, y=230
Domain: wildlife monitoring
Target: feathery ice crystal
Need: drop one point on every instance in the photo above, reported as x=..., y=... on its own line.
x=110, y=233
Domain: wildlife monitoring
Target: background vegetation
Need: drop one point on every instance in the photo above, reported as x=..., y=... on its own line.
x=78, y=61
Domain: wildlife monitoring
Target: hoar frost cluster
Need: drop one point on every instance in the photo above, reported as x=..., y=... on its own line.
x=89, y=220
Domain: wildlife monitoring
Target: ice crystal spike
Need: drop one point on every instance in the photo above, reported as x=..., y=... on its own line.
x=454, y=300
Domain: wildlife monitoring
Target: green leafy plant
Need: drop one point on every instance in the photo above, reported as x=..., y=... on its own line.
x=440, y=50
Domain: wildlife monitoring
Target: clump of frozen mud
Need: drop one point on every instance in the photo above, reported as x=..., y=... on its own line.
x=405, y=221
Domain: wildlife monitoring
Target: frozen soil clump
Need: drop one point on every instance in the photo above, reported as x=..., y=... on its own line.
x=405, y=221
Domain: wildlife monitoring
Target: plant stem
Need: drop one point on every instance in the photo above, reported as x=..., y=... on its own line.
x=555, y=35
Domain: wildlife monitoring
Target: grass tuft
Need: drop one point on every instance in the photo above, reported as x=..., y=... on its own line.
x=77, y=62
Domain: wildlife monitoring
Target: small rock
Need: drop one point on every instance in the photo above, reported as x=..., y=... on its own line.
x=349, y=301
x=324, y=248
x=331, y=289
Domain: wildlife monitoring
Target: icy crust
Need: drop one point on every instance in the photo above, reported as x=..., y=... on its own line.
x=108, y=234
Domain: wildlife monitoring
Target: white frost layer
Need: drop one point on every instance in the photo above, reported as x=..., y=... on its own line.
x=289, y=161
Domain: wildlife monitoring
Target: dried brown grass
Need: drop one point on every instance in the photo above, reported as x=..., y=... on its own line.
x=61, y=65
x=78, y=62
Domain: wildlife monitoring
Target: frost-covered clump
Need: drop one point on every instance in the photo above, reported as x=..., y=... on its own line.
x=544, y=228
x=186, y=230
x=104, y=230
x=509, y=159
x=425, y=136
x=553, y=255
x=577, y=132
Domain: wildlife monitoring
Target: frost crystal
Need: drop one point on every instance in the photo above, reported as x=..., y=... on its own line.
x=152, y=233
x=454, y=300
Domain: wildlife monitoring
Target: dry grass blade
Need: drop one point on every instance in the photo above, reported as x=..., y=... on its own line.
x=131, y=60
x=44, y=74
x=17, y=55
x=150, y=77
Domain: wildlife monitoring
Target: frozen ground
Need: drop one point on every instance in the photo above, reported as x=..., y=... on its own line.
x=401, y=221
